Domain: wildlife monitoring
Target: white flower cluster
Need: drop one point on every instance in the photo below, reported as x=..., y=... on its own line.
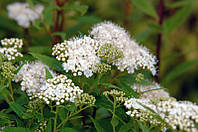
x=178, y=115
x=78, y=55
x=59, y=89
x=23, y=13
x=137, y=110
x=150, y=91
x=135, y=56
x=32, y=77
x=10, y=48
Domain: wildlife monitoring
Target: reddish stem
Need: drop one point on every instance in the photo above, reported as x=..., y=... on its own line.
x=159, y=37
x=127, y=13
x=59, y=21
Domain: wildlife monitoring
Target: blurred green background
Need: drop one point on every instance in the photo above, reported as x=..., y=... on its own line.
x=179, y=57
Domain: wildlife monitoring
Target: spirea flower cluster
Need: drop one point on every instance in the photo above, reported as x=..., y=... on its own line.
x=135, y=56
x=7, y=70
x=23, y=13
x=59, y=89
x=150, y=91
x=176, y=115
x=118, y=96
x=33, y=77
x=10, y=48
x=85, y=99
x=78, y=55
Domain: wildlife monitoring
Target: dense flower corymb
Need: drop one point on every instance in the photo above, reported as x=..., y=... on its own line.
x=32, y=77
x=23, y=14
x=59, y=89
x=177, y=115
x=10, y=48
x=78, y=55
x=135, y=56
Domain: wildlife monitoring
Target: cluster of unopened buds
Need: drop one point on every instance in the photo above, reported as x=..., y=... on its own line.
x=10, y=48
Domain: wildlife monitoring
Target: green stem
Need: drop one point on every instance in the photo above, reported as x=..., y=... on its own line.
x=68, y=117
x=114, y=108
x=55, y=119
x=11, y=90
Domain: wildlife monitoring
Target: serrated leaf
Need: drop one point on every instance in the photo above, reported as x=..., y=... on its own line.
x=146, y=7
x=97, y=125
x=78, y=8
x=178, y=70
x=67, y=129
x=17, y=108
x=51, y=62
x=177, y=19
x=17, y=129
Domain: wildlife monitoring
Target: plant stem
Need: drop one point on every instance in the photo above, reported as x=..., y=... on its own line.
x=55, y=119
x=11, y=90
x=68, y=117
x=159, y=37
x=59, y=21
x=127, y=13
x=114, y=108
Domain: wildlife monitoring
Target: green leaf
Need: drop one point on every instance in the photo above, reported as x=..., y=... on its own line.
x=146, y=7
x=75, y=117
x=144, y=129
x=114, y=121
x=88, y=19
x=61, y=34
x=128, y=90
x=17, y=129
x=177, y=19
x=178, y=70
x=110, y=86
x=68, y=129
x=40, y=49
x=180, y=3
x=17, y=108
x=101, y=101
x=127, y=127
x=48, y=74
x=72, y=107
x=51, y=62
x=78, y=8
x=2, y=88
x=97, y=125
x=48, y=14
x=49, y=126
x=141, y=37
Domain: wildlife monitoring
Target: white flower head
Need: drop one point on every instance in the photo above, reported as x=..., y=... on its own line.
x=59, y=89
x=150, y=91
x=135, y=56
x=23, y=14
x=10, y=48
x=79, y=55
x=33, y=77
